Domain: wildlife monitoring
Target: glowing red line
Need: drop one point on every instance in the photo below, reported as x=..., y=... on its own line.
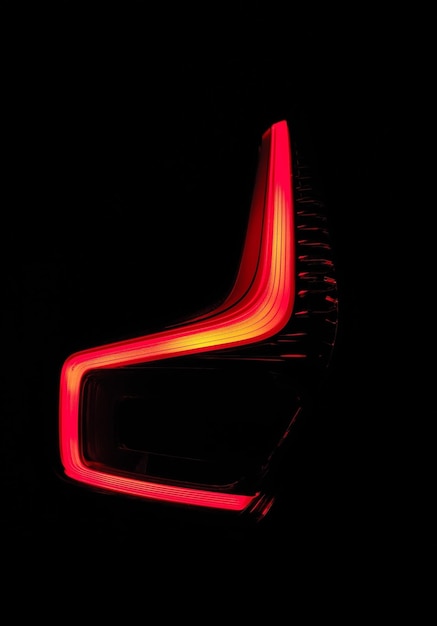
x=259, y=305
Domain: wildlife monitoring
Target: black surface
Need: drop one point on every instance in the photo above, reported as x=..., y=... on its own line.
x=128, y=162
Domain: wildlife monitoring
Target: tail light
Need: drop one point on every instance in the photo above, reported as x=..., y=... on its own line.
x=197, y=413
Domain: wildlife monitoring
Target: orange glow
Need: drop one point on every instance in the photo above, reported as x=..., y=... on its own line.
x=258, y=307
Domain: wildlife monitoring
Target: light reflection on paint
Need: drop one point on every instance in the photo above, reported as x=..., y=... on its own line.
x=259, y=306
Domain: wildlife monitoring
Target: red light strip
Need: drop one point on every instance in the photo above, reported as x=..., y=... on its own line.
x=259, y=305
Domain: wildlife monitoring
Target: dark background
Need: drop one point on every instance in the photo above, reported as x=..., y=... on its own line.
x=132, y=146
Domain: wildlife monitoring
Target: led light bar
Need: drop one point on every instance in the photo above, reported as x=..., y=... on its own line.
x=258, y=307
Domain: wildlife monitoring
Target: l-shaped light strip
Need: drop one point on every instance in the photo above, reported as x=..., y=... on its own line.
x=259, y=306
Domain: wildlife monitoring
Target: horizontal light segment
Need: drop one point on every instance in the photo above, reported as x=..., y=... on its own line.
x=158, y=491
x=259, y=306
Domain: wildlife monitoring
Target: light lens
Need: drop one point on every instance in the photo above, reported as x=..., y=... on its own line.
x=103, y=405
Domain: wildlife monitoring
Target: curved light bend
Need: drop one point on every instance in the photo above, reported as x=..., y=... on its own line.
x=259, y=305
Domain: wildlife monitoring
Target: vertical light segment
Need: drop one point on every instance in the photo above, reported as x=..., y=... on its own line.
x=259, y=306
